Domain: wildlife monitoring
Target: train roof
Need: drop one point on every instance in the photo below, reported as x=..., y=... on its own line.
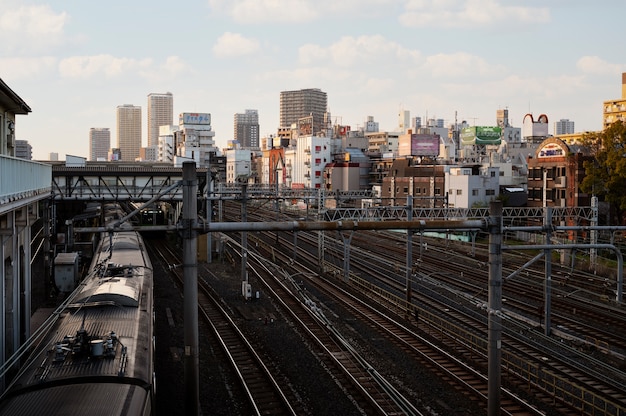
x=96, y=399
x=100, y=346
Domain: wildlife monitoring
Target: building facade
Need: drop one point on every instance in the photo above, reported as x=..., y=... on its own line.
x=129, y=131
x=246, y=129
x=425, y=183
x=160, y=113
x=615, y=110
x=194, y=140
x=555, y=172
x=238, y=165
x=99, y=143
x=472, y=186
x=22, y=192
x=295, y=105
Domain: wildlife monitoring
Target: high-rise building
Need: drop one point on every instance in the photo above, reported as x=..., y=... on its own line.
x=563, y=126
x=247, y=129
x=311, y=102
x=615, y=110
x=160, y=113
x=99, y=143
x=129, y=131
x=404, y=121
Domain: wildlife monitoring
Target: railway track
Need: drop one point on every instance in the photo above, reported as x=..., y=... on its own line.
x=585, y=393
x=455, y=372
x=264, y=394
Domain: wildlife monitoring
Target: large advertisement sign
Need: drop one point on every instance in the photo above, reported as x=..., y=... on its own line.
x=194, y=118
x=418, y=145
x=481, y=135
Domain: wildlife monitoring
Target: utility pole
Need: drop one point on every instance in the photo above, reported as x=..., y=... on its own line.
x=190, y=274
x=494, y=354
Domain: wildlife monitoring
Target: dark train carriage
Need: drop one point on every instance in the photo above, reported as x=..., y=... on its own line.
x=96, y=357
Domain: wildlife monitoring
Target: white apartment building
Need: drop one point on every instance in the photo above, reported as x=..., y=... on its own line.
x=383, y=142
x=238, y=164
x=305, y=163
x=165, y=146
x=470, y=186
x=194, y=139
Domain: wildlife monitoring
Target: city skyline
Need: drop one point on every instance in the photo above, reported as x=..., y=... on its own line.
x=460, y=58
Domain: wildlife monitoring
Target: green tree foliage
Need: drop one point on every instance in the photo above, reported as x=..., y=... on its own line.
x=605, y=176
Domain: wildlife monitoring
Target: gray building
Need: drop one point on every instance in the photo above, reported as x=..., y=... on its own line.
x=311, y=102
x=246, y=129
x=99, y=143
x=160, y=113
x=563, y=126
x=23, y=150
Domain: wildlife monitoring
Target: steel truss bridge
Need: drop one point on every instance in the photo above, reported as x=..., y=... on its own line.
x=141, y=183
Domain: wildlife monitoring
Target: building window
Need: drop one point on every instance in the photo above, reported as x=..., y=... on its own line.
x=405, y=190
x=459, y=192
x=318, y=173
x=493, y=173
x=490, y=192
x=437, y=191
x=474, y=192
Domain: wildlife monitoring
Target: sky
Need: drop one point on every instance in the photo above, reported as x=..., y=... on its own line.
x=74, y=61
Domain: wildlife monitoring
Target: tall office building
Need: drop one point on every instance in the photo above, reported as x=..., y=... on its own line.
x=247, y=129
x=311, y=102
x=99, y=143
x=563, y=126
x=129, y=131
x=160, y=113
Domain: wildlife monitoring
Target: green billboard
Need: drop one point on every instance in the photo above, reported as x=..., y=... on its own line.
x=482, y=135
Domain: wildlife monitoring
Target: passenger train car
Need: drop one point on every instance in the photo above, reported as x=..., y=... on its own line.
x=97, y=357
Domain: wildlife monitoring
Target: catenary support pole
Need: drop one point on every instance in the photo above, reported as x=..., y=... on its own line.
x=190, y=274
x=409, y=249
x=548, y=272
x=495, y=307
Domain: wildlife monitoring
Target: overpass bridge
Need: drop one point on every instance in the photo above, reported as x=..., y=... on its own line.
x=142, y=182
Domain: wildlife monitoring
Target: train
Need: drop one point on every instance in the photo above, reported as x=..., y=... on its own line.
x=96, y=356
x=155, y=214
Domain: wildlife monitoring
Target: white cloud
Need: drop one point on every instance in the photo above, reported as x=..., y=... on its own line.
x=298, y=11
x=23, y=68
x=233, y=45
x=598, y=66
x=255, y=11
x=469, y=13
x=100, y=65
x=353, y=51
x=31, y=27
x=172, y=68
x=460, y=64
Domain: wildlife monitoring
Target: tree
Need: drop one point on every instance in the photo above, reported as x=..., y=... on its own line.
x=605, y=176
